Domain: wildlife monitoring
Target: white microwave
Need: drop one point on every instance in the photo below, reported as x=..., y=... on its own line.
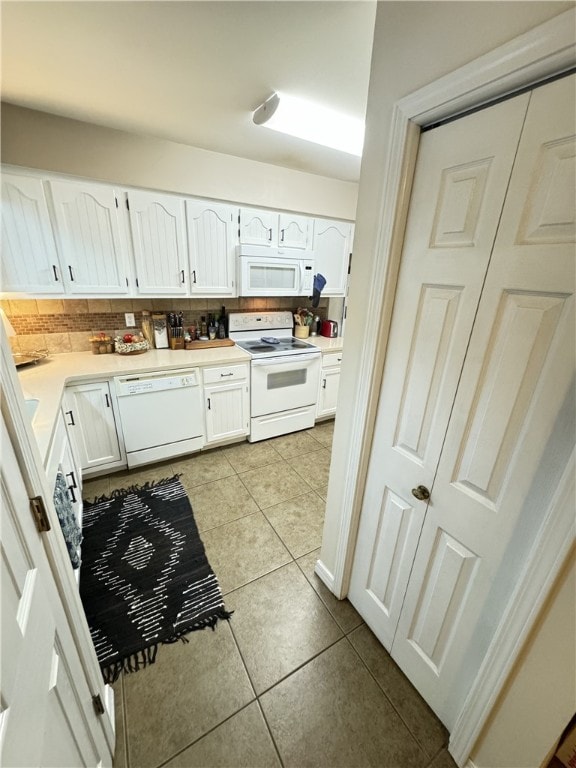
x=274, y=273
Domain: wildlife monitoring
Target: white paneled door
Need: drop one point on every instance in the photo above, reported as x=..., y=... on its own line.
x=47, y=716
x=476, y=388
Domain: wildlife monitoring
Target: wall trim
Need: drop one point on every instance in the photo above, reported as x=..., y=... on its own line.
x=534, y=56
x=325, y=576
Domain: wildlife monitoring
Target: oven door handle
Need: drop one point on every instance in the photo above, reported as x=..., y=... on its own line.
x=304, y=357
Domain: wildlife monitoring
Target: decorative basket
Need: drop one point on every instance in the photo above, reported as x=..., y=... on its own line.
x=132, y=347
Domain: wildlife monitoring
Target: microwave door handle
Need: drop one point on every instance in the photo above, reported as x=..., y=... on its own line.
x=301, y=287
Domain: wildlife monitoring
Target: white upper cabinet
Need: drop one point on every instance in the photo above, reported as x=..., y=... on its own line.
x=211, y=241
x=29, y=260
x=90, y=241
x=275, y=230
x=295, y=231
x=159, y=241
x=258, y=227
x=332, y=248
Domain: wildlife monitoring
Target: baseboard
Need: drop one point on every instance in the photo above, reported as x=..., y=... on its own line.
x=325, y=576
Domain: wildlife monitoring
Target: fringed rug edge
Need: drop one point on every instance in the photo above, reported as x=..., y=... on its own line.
x=135, y=488
x=133, y=662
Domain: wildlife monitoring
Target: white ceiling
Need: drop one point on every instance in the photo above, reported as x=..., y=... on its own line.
x=192, y=72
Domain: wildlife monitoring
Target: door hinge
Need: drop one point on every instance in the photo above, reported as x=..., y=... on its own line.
x=39, y=513
x=98, y=706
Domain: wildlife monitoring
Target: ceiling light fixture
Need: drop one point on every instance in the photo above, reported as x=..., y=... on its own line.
x=311, y=122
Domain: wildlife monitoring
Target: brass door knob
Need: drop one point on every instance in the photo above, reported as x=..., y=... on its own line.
x=422, y=493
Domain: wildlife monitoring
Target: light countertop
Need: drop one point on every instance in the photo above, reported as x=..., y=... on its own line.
x=46, y=380
x=327, y=345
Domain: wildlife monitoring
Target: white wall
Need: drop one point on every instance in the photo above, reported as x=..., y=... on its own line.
x=39, y=140
x=522, y=729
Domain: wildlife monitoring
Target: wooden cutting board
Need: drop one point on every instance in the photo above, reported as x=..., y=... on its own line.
x=209, y=343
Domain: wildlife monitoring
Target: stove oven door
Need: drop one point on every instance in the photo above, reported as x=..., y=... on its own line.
x=284, y=383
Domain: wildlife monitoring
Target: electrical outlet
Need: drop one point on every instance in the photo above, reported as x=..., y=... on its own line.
x=129, y=318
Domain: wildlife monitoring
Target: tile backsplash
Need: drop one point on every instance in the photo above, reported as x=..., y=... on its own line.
x=65, y=325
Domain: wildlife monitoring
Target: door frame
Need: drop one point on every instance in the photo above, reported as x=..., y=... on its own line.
x=36, y=482
x=543, y=52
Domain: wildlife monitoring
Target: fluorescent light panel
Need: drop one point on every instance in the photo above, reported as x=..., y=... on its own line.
x=311, y=122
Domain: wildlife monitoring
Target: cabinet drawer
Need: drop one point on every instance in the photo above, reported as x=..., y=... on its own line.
x=331, y=359
x=225, y=373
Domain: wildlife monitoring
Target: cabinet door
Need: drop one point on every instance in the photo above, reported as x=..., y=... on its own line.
x=328, y=393
x=332, y=246
x=73, y=476
x=89, y=238
x=227, y=411
x=295, y=231
x=258, y=227
x=91, y=425
x=61, y=457
x=211, y=241
x=158, y=236
x=29, y=260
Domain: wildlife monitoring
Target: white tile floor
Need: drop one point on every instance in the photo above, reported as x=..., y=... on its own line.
x=295, y=678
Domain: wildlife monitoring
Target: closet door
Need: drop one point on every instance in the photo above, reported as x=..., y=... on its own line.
x=461, y=178
x=511, y=432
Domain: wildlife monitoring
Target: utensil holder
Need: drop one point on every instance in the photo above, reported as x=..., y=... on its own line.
x=301, y=331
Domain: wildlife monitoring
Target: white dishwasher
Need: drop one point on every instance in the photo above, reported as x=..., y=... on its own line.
x=161, y=414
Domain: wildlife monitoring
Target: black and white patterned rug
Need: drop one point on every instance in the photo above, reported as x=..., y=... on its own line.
x=145, y=578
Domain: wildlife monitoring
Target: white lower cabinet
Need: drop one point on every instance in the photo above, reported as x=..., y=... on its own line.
x=61, y=458
x=91, y=425
x=329, y=383
x=227, y=402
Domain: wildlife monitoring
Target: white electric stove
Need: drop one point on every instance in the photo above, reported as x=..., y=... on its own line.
x=285, y=373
